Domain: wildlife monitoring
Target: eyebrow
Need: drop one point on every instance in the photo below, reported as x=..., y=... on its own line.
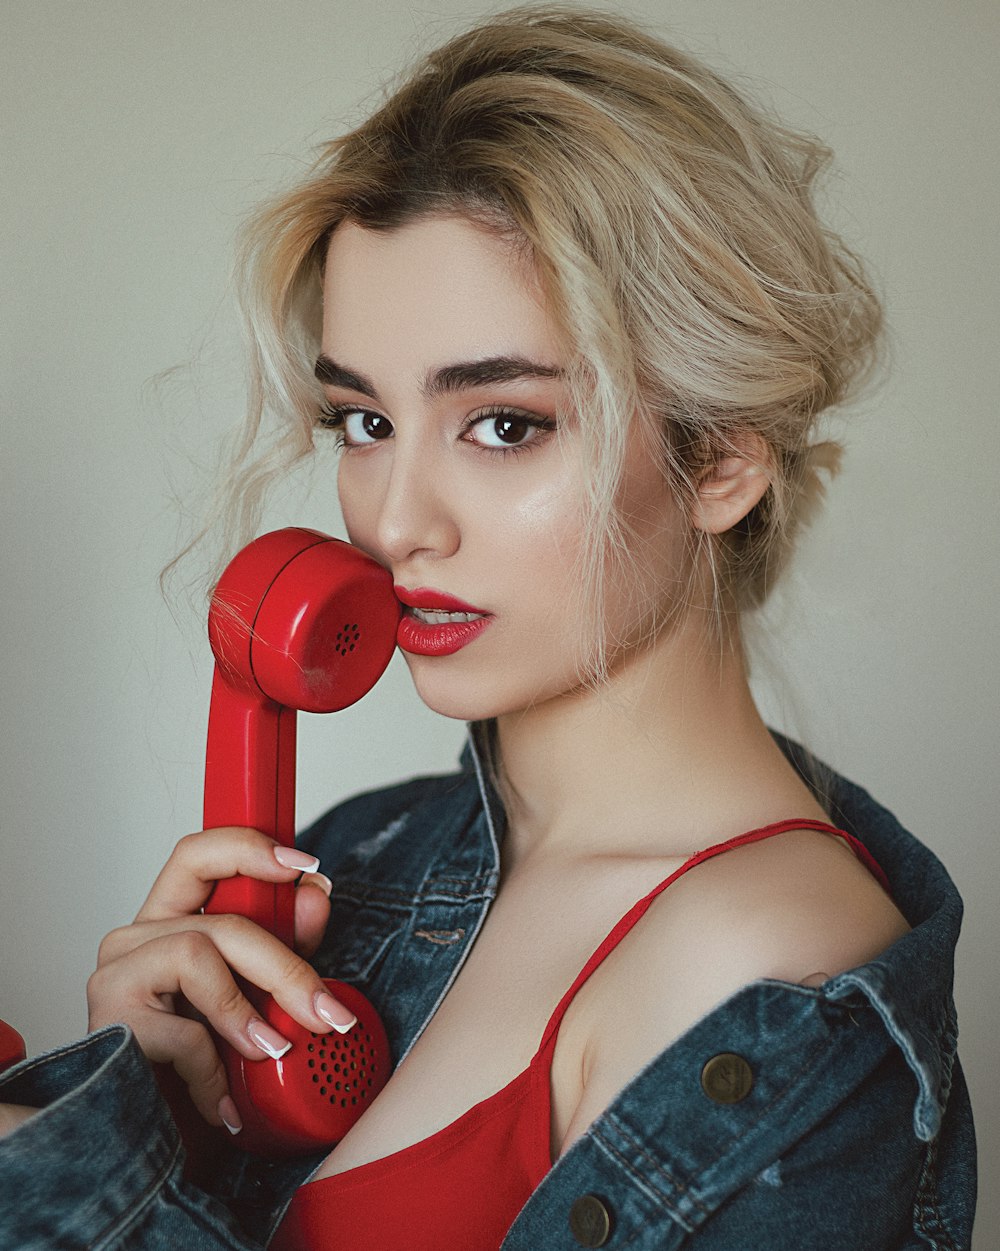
x=448, y=379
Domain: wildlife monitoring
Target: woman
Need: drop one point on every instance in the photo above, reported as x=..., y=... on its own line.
x=579, y=320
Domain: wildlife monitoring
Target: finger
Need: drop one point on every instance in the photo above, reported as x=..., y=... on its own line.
x=192, y=953
x=200, y=860
x=266, y=962
x=137, y=989
x=190, y=1048
x=185, y=1042
x=815, y=979
x=13, y=1116
x=166, y=1039
x=312, y=911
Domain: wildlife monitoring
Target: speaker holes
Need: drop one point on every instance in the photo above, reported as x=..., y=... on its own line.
x=348, y=638
x=344, y=1070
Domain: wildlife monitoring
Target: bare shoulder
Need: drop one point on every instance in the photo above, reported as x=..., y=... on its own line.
x=797, y=907
x=787, y=907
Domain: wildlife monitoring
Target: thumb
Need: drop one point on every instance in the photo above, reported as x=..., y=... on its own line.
x=312, y=911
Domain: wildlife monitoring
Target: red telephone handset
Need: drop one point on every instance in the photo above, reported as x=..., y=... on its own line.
x=299, y=620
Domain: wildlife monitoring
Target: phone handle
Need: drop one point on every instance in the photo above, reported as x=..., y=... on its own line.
x=298, y=620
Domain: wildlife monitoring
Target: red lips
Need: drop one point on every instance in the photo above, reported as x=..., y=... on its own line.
x=422, y=638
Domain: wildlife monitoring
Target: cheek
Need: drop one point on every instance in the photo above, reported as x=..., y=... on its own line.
x=544, y=526
x=533, y=537
x=358, y=508
x=649, y=578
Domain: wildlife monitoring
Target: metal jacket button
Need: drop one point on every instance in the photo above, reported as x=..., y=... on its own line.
x=589, y=1221
x=726, y=1078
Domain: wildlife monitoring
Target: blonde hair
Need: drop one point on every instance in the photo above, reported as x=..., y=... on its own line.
x=672, y=226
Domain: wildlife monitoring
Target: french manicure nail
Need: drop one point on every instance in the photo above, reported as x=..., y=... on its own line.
x=229, y=1114
x=320, y=880
x=268, y=1039
x=335, y=1014
x=292, y=858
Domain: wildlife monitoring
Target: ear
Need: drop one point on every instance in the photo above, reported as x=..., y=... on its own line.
x=733, y=484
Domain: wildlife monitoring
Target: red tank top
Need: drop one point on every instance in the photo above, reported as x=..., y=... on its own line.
x=463, y=1186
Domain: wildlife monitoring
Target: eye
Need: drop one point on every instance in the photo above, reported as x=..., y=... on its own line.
x=507, y=429
x=358, y=426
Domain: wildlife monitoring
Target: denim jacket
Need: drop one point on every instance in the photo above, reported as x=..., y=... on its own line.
x=855, y=1133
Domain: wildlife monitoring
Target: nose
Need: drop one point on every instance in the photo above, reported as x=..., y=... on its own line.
x=416, y=515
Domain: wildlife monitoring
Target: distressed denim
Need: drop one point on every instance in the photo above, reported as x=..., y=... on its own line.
x=856, y=1133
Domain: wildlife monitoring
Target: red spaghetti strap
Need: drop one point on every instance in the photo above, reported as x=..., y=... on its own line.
x=463, y=1185
x=638, y=910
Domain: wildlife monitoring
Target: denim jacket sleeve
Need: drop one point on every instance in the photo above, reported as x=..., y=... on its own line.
x=816, y=1154
x=101, y=1164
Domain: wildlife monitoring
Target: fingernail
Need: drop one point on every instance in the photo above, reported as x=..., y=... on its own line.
x=320, y=880
x=230, y=1115
x=268, y=1039
x=292, y=858
x=335, y=1014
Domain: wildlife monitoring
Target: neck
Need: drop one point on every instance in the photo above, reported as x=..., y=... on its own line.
x=669, y=756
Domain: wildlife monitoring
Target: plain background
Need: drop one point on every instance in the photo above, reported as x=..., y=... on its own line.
x=138, y=137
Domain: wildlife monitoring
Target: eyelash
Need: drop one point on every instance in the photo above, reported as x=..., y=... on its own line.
x=543, y=425
x=333, y=416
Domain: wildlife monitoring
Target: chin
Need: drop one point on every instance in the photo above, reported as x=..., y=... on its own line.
x=454, y=695
x=455, y=692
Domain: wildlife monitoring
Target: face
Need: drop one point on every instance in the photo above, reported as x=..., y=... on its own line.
x=443, y=376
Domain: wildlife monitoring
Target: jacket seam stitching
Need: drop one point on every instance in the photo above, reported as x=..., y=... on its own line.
x=645, y=1183
x=126, y=1220
x=83, y=1044
x=926, y=1213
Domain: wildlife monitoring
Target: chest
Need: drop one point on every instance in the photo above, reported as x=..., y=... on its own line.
x=535, y=939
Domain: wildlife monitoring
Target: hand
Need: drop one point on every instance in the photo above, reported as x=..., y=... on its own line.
x=12, y=1115
x=172, y=949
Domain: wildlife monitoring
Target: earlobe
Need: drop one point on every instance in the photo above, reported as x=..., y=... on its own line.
x=732, y=485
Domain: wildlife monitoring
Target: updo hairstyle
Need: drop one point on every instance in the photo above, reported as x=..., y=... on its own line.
x=672, y=226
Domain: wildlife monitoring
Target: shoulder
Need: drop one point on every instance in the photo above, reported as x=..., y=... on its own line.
x=788, y=907
x=798, y=907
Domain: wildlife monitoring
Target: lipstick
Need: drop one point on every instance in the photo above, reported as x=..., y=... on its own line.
x=437, y=624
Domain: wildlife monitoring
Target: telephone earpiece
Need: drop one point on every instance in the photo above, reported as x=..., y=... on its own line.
x=299, y=620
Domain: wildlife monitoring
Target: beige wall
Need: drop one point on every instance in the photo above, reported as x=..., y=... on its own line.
x=141, y=133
